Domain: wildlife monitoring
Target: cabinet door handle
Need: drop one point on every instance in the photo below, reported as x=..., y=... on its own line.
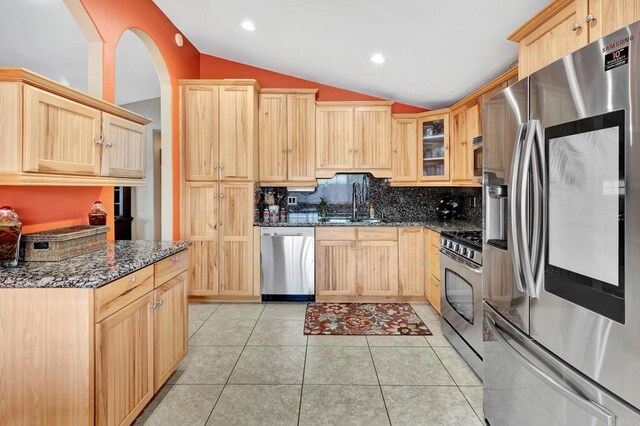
x=356, y=150
x=215, y=195
x=160, y=302
x=153, y=305
x=221, y=195
x=589, y=18
x=108, y=144
x=284, y=150
x=133, y=279
x=290, y=149
x=576, y=26
x=350, y=150
x=175, y=259
x=100, y=141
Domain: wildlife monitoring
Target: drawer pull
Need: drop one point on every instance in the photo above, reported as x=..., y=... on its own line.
x=576, y=26
x=589, y=18
x=175, y=259
x=153, y=305
x=133, y=279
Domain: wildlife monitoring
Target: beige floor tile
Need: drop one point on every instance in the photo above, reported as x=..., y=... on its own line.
x=207, y=365
x=462, y=374
x=409, y=366
x=194, y=325
x=428, y=405
x=284, y=311
x=254, y=405
x=323, y=340
x=181, y=405
x=397, y=341
x=238, y=311
x=474, y=396
x=201, y=311
x=269, y=365
x=278, y=332
x=325, y=405
x=217, y=331
x=339, y=365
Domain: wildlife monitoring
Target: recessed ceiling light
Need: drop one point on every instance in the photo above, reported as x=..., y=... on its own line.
x=248, y=25
x=377, y=58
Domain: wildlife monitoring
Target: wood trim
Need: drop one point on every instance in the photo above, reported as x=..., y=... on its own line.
x=171, y=266
x=354, y=103
x=36, y=80
x=425, y=114
x=220, y=82
x=456, y=184
x=114, y=296
x=292, y=184
x=44, y=179
x=225, y=298
x=256, y=261
x=540, y=18
x=505, y=76
x=288, y=91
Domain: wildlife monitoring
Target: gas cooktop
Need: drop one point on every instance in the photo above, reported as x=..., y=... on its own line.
x=467, y=244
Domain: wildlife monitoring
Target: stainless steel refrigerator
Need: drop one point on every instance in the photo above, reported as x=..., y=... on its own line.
x=561, y=241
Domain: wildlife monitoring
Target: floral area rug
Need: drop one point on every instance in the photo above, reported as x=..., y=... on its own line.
x=364, y=319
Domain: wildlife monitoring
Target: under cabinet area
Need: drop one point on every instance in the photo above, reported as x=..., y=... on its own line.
x=121, y=342
x=64, y=137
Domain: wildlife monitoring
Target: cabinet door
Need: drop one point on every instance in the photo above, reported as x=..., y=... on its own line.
x=237, y=120
x=377, y=268
x=201, y=210
x=372, y=145
x=301, y=137
x=123, y=152
x=273, y=137
x=554, y=39
x=236, y=226
x=433, y=148
x=60, y=135
x=472, y=129
x=170, y=327
x=411, y=261
x=459, y=150
x=336, y=268
x=124, y=363
x=200, y=132
x=405, y=150
x=334, y=138
x=611, y=15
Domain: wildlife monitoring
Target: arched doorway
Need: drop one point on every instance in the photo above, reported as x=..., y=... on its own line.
x=143, y=85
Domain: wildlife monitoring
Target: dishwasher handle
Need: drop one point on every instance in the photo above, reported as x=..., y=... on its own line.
x=287, y=232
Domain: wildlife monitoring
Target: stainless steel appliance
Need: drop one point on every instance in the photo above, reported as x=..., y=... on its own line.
x=477, y=159
x=287, y=263
x=561, y=241
x=461, y=294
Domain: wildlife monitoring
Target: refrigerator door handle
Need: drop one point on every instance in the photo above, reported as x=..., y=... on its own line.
x=539, y=174
x=514, y=203
x=596, y=409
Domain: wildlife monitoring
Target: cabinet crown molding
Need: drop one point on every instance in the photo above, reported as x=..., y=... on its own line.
x=289, y=91
x=22, y=75
x=354, y=103
x=540, y=18
x=221, y=82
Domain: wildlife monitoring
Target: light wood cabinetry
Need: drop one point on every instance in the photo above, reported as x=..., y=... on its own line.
x=411, y=261
x=432, y=262
x=238, y=132
x=377, y=262
x=434, y=147
x=567, y=25
x=335, y=267
x=200, y=132
x=124, y=363
x=353, y=137
x=64, y=137
x=287, y=137
x=459, y=150
x=404, y=150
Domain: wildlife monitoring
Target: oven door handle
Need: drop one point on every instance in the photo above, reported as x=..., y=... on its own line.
x=590, y=406
x=469, y=267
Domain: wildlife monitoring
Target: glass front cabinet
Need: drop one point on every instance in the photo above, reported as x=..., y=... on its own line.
x=433, y=148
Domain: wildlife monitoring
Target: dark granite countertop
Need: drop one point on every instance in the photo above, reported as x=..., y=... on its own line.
x=435, y=225
x=90, y=270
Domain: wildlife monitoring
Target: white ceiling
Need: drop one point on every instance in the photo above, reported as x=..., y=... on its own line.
x=41, y=35
x=437, y=51
x=136, y=75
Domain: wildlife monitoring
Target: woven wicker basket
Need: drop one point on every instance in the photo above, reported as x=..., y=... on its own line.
x=62, y=243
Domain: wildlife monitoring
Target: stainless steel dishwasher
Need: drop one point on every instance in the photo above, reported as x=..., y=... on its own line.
x=287, y=264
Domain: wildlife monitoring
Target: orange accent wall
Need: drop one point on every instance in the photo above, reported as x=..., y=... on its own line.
x=214, y=67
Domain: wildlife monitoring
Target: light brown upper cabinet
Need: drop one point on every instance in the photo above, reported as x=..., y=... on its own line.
x=54, y=135
x=459, y=157
x=473, y=123
x=433, y=146
x=404, y=149
x=353, y=137
x=287, y=137
x=567, y=25
x=219, y=131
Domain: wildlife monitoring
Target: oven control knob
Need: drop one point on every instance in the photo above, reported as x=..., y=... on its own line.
x=464, y=251
x=471, y=253
x=456, y=247
x=450, y=245
x=443, y=242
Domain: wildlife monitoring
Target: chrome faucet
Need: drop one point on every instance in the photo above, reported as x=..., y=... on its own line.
x=354, y=201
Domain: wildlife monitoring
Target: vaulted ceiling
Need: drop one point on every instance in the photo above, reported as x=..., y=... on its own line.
x=436, y=51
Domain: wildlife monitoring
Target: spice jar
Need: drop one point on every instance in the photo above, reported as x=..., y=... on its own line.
x=10, y=230
x=97, y=215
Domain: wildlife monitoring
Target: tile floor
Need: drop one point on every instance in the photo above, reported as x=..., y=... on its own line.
x=250, y=364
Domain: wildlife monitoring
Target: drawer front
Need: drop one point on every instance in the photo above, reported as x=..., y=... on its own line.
x=434, y=237
x=378, y=234
x=114, y=296
x=435, y=294
x=435, y=262
x=170, y=267
x=336, y=233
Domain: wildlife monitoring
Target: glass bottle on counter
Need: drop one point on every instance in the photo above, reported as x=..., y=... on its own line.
x=97, y=215
x=10, y=231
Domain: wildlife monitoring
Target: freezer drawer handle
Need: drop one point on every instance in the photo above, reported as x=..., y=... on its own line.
x=590, y=406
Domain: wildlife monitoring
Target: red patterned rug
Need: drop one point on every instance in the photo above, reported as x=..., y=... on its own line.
x=364, y=319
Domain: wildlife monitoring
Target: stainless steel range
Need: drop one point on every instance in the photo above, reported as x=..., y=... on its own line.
x=461, y=296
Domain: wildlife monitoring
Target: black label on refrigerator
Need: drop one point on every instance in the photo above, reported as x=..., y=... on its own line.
x=616, y=59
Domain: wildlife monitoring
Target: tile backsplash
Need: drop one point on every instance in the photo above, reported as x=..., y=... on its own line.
x=394, y=203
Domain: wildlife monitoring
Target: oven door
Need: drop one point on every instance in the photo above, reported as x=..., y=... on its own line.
x=461, y=297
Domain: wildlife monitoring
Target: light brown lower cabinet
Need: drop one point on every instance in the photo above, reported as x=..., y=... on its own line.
x=411, y=261
x=78, y=356
x=432, y=260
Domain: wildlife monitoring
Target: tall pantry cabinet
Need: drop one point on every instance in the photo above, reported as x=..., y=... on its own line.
x=218, y=136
